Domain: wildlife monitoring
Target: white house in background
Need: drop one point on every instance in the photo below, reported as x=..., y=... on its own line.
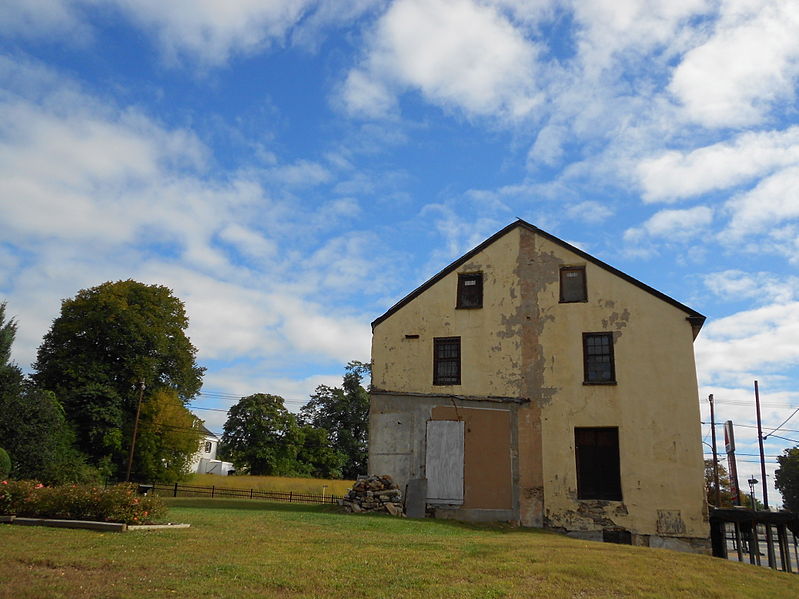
x=205, y=461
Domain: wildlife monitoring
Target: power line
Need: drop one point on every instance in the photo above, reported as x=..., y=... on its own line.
x=785, y=439
x=735, y=402
x=787, y=430
x=752, y=455
x=780, y=426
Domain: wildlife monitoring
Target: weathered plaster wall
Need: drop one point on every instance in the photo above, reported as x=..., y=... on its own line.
x=654, y=404
x=490, y=343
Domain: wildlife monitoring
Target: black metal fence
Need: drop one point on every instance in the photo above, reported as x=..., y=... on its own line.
x=761, y=538
x=178, y=490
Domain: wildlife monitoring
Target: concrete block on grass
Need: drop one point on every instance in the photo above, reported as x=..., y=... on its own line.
x=84, y=524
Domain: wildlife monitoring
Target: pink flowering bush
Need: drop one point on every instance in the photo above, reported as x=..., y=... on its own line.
x=119, y=503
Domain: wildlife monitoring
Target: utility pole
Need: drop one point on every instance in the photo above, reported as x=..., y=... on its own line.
x=135, y=430
x=762, y=453
x=715, y=455
x=772, y=562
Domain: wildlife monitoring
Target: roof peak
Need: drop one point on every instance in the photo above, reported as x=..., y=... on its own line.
x=694, y=317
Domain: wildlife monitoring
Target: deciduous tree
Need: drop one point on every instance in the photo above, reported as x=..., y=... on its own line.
x=786, y=478
x=344, y=413
x=724, y=485
x=33, y=429
x=169, y=437
x=261, y=436
x=105, y=340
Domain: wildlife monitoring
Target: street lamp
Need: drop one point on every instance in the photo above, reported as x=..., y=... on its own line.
x=752, y=482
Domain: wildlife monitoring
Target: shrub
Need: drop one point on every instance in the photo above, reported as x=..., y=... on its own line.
x=5, y=463
x=119, y=503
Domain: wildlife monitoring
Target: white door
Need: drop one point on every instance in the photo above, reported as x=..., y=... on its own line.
x=444, y=461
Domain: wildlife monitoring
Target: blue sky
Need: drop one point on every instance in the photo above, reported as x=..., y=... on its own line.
x=292, y=168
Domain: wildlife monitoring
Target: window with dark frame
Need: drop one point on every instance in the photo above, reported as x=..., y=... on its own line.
x=470, y=290
x=447, y=361
x=208, y=447
x=598, y=466
x=599, y=367
x=572, y=284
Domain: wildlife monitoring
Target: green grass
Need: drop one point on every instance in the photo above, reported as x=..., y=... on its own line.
x=246, y=549
x=311, y=486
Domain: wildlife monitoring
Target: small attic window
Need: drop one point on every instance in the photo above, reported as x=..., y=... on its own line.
x=572, y=284
x=470, y=290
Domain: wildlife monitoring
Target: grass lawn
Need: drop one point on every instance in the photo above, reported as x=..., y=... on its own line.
x=241, y=549
x=311, y=486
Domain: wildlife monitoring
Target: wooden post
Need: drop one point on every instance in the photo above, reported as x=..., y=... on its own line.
x=754, y=545
x=738, y=541
x=785, y=550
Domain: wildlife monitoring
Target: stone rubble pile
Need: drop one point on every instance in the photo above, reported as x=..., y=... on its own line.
x=374, y=494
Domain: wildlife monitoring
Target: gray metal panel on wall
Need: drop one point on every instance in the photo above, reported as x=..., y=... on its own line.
x=444, y=461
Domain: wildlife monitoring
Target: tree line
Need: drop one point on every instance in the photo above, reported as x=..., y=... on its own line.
x=119, y=350
x=328, y=439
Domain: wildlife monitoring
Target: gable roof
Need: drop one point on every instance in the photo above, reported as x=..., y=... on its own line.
x=695, y=318
x=204, y=430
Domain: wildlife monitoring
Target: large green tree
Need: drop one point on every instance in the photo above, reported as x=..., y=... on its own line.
x=105, y=340
x=344, y=413
x=263, y=438
x=786, y=478
x=33, y=429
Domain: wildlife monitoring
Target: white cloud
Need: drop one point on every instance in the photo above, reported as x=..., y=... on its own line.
x=327, y=13
x=366, y=95
x=457, y=53
x=301, y=172
x=589, y=212
x=339, y=264
x=207, y=31
x=314, y=331
x=674, y=175
x=548, y=146
x=36, y=18
x=774, y=200
x=62, y=174
x=748, y=64
x=90, y=193
x=609, y=28
x=676, y=224
x=212, y=31
x=249, y=242
x=759, y=340
x=763, y=287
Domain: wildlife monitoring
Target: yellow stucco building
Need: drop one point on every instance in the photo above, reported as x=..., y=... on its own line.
x=530, y=382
